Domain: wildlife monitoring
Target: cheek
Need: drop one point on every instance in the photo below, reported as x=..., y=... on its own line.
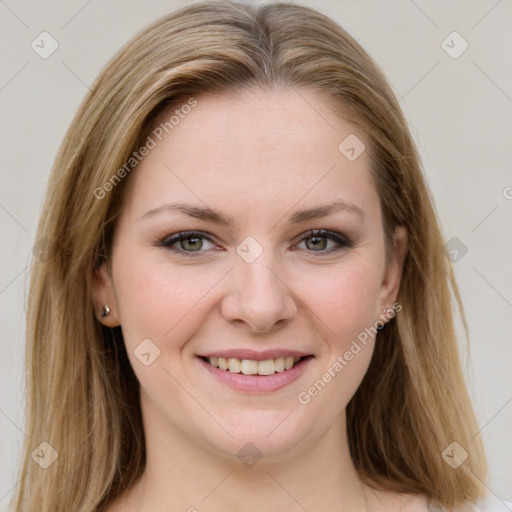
x=345, y=299
x=160, y=301
x=343, y=304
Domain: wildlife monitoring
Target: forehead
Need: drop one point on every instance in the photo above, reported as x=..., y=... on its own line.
x=257, y=148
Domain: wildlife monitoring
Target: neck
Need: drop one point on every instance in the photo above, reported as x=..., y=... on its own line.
x=180, y=475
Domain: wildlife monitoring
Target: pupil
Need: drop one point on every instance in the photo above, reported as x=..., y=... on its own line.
x=317, y=242
x=193, y=241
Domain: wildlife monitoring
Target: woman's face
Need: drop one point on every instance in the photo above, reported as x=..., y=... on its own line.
x=246, y=179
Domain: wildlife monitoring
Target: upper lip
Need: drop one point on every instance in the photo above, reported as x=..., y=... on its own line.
x=255, y=355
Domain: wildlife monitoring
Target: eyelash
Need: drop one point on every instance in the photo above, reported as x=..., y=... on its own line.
x=169, y=241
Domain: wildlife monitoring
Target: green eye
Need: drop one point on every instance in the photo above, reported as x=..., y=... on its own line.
x=192, y=243
x=189, y=242
x=318, y=241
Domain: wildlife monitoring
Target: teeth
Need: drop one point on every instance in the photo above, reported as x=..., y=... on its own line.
x=249, y=367
x=279, y=364
x=252, y=367
x=266, y=367
x=234, y=365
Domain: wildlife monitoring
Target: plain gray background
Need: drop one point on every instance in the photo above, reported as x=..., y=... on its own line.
x=459, y=111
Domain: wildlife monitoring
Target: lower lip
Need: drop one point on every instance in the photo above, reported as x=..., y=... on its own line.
x=258, y=383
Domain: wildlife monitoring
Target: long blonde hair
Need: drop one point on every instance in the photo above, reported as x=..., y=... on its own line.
x=83, y=397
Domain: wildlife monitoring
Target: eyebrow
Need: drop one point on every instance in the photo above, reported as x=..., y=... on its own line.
x=207, y=214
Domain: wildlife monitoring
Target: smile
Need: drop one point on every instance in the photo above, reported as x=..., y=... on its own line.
x=253, y=367
x=256, y=372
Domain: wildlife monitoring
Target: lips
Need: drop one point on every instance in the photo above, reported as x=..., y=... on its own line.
x=254, y=371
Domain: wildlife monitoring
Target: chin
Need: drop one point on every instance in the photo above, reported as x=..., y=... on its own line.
x=273, y=434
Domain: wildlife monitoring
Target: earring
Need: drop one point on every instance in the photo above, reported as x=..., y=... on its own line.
x=389, y=313
x=105, y=311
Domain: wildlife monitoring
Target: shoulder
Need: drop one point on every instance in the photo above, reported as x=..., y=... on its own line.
x=413, y=503
x=419, y=503
x=392, y=501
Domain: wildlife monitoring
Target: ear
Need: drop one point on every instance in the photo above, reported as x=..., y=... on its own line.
x=103, y=295
x=393, y=273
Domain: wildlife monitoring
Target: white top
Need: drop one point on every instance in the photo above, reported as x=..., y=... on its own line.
x=493, y=504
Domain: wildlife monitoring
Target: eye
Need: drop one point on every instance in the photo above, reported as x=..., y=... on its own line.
x=187, y=242
x=324, y=242
x=193, y=243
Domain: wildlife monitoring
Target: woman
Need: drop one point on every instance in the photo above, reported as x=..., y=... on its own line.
x=245, y=303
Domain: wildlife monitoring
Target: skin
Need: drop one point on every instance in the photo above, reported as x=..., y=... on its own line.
x=258, y=157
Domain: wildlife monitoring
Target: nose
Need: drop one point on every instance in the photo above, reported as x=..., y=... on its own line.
x=258, y=298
